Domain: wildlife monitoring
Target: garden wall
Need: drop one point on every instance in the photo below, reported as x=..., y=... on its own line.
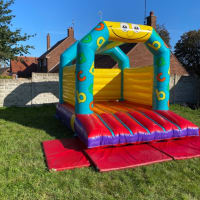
x=184, y=89
x=43, y=88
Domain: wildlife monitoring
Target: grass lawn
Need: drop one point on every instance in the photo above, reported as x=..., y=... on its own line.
x=24, y=175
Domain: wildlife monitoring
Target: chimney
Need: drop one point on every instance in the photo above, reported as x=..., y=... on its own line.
x=151, y=20
x=48, y=41
x=70, y=31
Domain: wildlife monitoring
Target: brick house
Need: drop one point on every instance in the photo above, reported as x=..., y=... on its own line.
x=49, y=61
x=23, y=66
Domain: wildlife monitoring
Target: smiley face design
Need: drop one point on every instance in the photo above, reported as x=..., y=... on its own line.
x=127, y=32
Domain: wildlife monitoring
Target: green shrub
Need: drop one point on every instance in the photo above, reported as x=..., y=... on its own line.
x=5, y=77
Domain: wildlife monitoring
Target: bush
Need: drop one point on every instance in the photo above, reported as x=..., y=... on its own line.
x=5, y=77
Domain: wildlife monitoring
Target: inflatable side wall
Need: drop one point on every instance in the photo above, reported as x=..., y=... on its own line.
x=107, y=85
x=138, y=85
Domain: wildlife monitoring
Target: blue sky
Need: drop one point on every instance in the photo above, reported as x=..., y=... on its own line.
x=54, y=17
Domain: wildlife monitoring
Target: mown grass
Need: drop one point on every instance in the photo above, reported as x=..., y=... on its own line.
x=24, y=175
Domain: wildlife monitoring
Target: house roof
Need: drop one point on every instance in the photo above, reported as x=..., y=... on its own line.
x=176, y=67
x=23, y=63
x=52, y=48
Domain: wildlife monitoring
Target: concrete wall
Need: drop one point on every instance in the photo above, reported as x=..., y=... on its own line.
x=184, y=89
x=43, y=89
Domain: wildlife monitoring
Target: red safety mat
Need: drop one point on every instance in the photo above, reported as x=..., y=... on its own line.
x=114, y=158
x=181, y=148
x=64, y=154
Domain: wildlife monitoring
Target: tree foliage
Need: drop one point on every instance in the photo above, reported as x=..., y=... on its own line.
x=187, y=50
x=10, y=40
x=164, y=34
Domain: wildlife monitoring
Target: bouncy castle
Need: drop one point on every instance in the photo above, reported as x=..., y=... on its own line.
x=118, y=106
x=121, y=117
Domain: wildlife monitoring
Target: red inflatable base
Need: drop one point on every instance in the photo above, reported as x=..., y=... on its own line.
x=70, y=153
x=181, y=148
x=123, y=157
x=64, y=154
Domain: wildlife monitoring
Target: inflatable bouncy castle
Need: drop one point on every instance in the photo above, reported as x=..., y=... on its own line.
x=118, y=106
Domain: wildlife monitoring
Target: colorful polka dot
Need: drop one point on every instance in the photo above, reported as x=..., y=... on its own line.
x=87, y=39
x=158, y=77
x=91, y=105
x=160, y=95
x=81, y=58
x=81, y=97
x=155, y=45
x=79, y=78
x=92, y=69
x=100, y=41
x=160, y=62
x=100, y=27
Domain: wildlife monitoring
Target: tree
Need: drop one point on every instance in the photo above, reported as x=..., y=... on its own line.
x=10, y=40
x=187, y=50
x=164, y=34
